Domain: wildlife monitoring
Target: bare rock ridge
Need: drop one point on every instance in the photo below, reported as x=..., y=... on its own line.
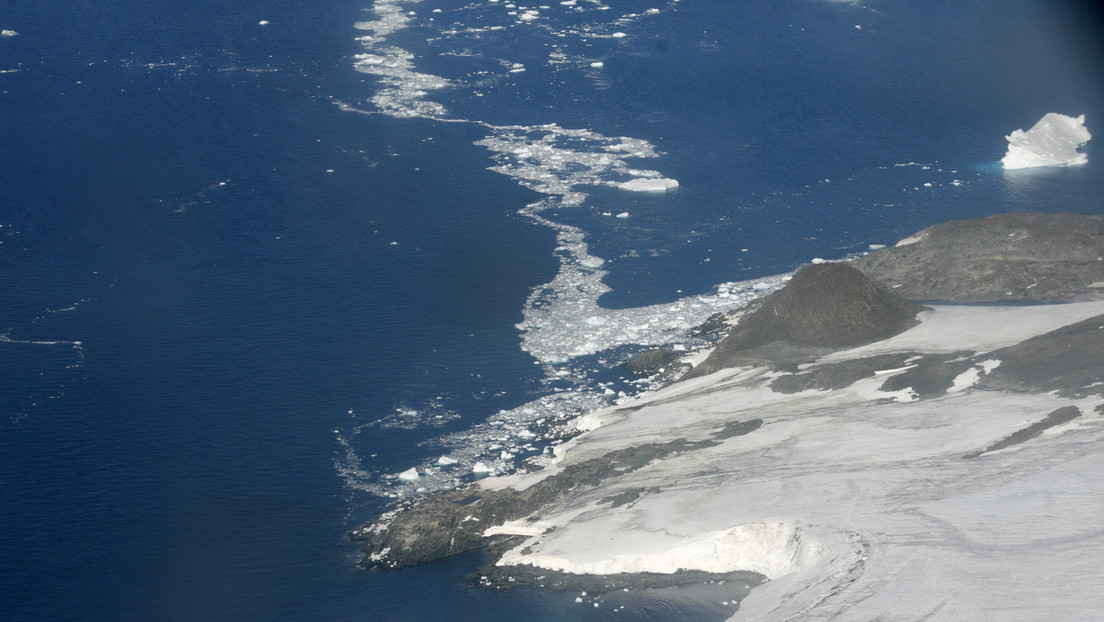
x=824, y=307
x=1006, y=257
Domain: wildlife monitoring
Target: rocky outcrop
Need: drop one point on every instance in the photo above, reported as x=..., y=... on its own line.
x=824, y=307
x=453, y=522
x=652, y=361
x=1062, y=415
x=1007, y=257
x=1068, y=361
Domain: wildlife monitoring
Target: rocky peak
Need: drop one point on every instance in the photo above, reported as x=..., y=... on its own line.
x=824, y=307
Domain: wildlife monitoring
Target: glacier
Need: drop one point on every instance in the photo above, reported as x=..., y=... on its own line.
x=1053, y=141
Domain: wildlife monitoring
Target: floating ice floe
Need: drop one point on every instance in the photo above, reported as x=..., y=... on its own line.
x=409, y=475
x=1053, y=141
x=662, y=184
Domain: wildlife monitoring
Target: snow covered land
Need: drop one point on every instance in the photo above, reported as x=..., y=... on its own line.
x=855, y=501
x=1053, y=141
x=950, y=471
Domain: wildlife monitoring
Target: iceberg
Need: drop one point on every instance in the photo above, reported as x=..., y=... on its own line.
x=1053, y=141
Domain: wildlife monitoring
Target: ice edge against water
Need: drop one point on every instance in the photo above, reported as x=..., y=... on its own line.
x=1053, y=141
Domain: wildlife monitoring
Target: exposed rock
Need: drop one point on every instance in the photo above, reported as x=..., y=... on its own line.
x=1058, y=417
x=829, y=377
x=824, y=307
x=1069, y=361
x=932, y=376
x=626, y=497
x=733, y=429
x=1007, y=257
x=451, y=523
x=716, y=325
x=651, y=362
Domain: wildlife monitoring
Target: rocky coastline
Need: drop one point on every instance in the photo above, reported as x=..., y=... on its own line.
x=825, y=309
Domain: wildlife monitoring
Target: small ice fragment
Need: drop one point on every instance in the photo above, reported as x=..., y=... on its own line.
x=623, y=215
x=1053, y=141
x=8, y=33
x=409, y=475
x=618, y=35
x=445, y=461
x=480, y=467
x=876, y=247
x=263, y=22
x=597, y=64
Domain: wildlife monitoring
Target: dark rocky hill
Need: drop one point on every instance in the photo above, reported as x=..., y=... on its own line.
x=824, y=307
x=1006, y=257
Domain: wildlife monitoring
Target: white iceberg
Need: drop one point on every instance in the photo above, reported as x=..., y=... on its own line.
x=409, y=475
x=1052, y=142
x=644, y=184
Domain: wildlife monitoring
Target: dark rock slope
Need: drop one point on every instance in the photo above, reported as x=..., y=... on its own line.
x=1007, y=257
x=824, y=307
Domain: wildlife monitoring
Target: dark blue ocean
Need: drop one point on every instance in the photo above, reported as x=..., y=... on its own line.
x=257, y=258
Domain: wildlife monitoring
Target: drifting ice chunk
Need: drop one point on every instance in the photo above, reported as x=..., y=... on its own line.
x=649, y=185
x=1052, y=142
x=409, y=475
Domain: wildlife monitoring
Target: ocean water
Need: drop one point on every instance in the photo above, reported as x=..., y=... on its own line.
x=250, y=272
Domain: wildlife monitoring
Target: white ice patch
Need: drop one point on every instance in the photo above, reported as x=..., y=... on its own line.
x=409, y=475
x=8, y=33
x=1053, y=141
x=649, y=185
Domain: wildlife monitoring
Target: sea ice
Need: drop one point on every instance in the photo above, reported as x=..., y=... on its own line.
x=409, y=475
x=649, y=185
x=1053, y=141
